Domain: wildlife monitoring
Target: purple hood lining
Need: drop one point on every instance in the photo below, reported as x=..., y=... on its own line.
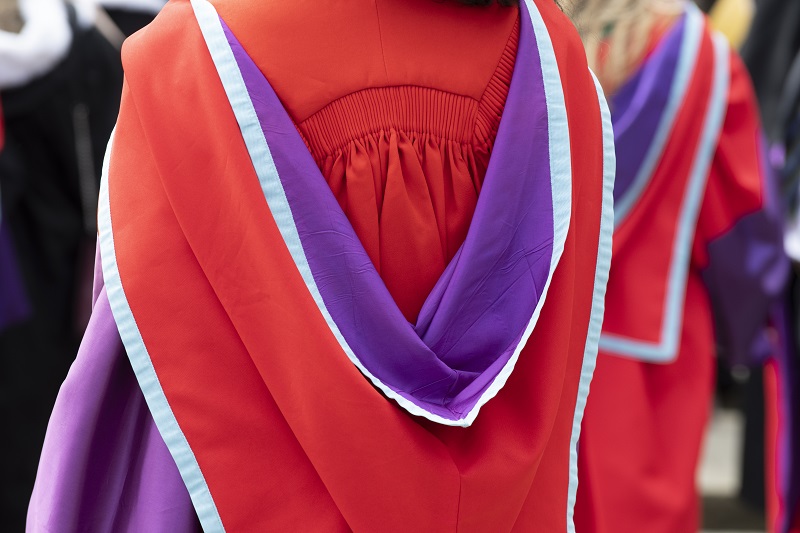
x=476, y=316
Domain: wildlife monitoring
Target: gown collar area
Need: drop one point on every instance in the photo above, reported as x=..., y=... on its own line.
x=480, y=314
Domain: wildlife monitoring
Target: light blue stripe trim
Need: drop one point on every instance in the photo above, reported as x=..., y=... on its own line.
x=667, y=349
x=602, y=267
x=143, y=367
x=258, y=148
x=690, y=49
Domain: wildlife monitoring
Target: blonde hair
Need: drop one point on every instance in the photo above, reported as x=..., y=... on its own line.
x=10, y=19
x=616, y=33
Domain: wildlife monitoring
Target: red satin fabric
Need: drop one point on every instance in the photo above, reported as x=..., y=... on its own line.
x=288, y=434
x=775, y=503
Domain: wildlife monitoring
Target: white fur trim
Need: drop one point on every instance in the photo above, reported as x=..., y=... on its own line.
x=86, y=10
x=43, y=42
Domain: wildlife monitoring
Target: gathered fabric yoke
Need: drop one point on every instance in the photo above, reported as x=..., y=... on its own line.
x=402, y=138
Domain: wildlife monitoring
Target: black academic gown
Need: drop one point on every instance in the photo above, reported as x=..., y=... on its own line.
x=57, y=128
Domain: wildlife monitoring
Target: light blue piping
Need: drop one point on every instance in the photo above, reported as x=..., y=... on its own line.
x=258, y=148
x=667, y=349
x=598, y=299
x=143, y=368
x=690, y=49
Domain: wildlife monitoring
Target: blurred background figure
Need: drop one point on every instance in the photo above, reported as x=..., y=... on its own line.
x=60, y=82
x=772, y=54
x=769, y=52
x=697, y=261
x=14, y=304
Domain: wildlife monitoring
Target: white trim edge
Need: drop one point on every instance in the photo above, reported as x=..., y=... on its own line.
x=602, y=267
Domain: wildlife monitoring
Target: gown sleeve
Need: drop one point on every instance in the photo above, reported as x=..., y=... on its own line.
x=104, y=466
x=739, y=243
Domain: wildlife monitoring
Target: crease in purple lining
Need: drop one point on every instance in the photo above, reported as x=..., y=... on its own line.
x=638, y=107
x=477, y=313
x=14, y=305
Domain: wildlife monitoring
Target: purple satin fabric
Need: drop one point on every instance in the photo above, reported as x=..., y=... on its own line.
x=638, y=107
x=750, y=258
x=14, y=305
x=475, y=316
x=104, y=466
